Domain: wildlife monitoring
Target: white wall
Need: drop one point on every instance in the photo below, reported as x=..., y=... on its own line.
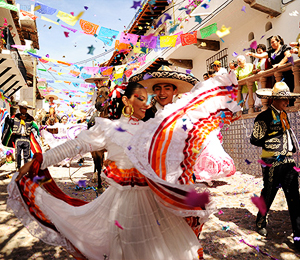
x=284, y=25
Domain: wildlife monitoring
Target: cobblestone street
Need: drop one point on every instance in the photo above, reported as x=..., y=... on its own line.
x=223, y=236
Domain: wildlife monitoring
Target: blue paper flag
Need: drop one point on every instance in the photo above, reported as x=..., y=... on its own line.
x=44, y=8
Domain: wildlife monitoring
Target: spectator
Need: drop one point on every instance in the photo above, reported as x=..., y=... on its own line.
x=205, y=76
x=278, y=56
x=211, y=73
x=244, y=70
x=218, y=69
x=233, y=65
x=259, y=64
x=296, y=45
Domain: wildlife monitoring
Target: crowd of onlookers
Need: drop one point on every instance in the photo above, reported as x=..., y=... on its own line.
x=278, y=54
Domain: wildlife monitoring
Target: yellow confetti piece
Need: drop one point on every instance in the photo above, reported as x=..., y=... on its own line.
x=223, y=31
x=195, y=150
x=273, y=133
x=38, y=7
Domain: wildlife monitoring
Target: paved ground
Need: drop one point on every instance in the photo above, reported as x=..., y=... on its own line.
x=220, y=238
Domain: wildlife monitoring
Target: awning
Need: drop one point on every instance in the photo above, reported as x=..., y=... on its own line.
x=11, y=78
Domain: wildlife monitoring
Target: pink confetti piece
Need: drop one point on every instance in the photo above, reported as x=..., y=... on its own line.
x=118, y=224
x=253, y=45
x=263, y=164
x=66, y=34
x=220, y=212
x=296, y=169
x=195, y=199
x=259, y=202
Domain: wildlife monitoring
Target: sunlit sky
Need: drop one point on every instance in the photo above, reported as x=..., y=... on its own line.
x=113, y=14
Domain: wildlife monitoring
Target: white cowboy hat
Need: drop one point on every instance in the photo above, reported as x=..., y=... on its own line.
x=279, y=91
x=97, y=76
x=51, y=95
x=184, y=82
x=25, y=105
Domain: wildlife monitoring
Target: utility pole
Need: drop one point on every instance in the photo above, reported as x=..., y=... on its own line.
x=34, y=85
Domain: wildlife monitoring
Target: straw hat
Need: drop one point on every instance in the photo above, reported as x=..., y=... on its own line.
x=279, y=91
x=184, y=82
x=97, y=76
x=51, y=95
x=217, y=62
x=25, y=105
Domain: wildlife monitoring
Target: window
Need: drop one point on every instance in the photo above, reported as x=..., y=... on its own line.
x=268, y=26
x=251, y=36
x=221, y=56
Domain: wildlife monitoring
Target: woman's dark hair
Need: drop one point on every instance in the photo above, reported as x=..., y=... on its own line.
x=279, y=39
x=261, y=46
x=116, y=104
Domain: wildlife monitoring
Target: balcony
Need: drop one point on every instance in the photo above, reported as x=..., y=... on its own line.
x=262, y=77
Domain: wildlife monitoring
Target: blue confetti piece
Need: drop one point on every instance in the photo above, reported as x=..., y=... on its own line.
x=82, y=183
x=241, y=101
x=222, y=40
x=248, y=162
x=280, y=158
x=120, y=129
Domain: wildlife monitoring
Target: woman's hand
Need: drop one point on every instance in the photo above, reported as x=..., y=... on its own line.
x=24, y=170
x=294, y=44
x=249, y=53
x=276, y=66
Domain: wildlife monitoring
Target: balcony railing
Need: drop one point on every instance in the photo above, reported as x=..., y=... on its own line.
x=263, y=76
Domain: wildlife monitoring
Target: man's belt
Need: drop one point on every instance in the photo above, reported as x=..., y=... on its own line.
x=269, y=154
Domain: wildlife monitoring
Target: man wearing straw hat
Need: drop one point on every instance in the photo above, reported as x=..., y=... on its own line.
x=273, y=133
x=50, y=98
x=165, y=85
x=22, y=126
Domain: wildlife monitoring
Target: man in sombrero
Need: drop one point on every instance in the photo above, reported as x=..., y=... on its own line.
x=165, y=85
x=273, y=133
x=21, y=128
x=50, y=98
x=101, y=82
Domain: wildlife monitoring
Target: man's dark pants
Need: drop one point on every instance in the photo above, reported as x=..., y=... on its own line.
x=285, y=176
x=22, y=144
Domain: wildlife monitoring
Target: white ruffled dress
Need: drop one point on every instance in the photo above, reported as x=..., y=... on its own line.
x=141, y=214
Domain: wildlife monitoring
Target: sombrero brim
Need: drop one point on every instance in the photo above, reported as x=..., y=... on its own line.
x=267, y=94
x=92, y=80
x=184, y=82
x=28, y=107
x=51, y=95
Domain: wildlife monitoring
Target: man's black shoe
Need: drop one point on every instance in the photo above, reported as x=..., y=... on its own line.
x=262, y=231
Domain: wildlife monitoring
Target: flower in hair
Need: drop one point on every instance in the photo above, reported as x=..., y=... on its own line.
x=118, y=91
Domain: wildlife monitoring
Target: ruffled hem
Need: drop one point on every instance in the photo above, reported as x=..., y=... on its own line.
x=16, y=204
x=145, y=230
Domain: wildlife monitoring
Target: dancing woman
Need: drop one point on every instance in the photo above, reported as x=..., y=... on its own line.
x=141, y=214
